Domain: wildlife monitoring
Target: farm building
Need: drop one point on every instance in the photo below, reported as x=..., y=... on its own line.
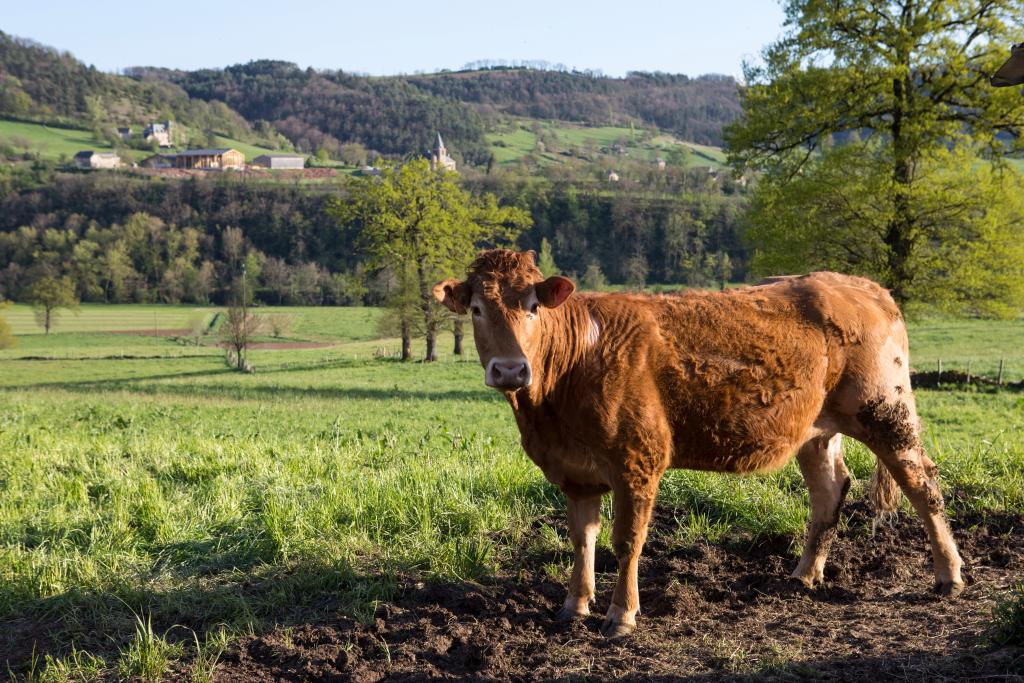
x=280, y=161
x=161, y=132
x=215, y=159
x=124, y=133
x=91, y=159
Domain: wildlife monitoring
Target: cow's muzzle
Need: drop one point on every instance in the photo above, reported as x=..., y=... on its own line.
x=508, y=373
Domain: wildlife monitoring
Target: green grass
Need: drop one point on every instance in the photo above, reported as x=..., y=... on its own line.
x=517, y=139
x=53, y=143
x=957, y=342
x=141, y=495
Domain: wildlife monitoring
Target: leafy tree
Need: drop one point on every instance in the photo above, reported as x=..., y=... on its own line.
x=593, y=279
x=424, y=226
x=7, y=338
x=866, y=118
x=48, y=295
x=546, y=260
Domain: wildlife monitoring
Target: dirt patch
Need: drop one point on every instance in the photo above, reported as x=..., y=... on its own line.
x=709, y=612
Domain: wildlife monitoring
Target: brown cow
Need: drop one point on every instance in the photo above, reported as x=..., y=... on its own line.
x=610, y=390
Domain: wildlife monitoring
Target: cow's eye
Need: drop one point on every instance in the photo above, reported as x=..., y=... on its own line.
x=534, y=308
x=476, y=311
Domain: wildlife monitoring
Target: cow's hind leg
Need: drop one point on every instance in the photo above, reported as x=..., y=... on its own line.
x=891, y=430
x=821, y=462
x=584, y=524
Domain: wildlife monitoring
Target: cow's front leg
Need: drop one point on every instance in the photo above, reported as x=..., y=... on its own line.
x=633, y=502
x=584, y=523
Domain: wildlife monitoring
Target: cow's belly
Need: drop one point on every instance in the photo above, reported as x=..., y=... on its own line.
x=754, y=437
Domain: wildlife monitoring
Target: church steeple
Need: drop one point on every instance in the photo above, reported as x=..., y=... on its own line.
x=439, y=159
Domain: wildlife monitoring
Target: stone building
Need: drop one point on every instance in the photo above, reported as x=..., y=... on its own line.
x=161, y=132
x=90, y=159
x=439, y=159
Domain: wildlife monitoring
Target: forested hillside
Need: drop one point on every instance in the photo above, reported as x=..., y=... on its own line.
x=693, y=109
x=44, y=84
x=323, y=109
x=401, y=114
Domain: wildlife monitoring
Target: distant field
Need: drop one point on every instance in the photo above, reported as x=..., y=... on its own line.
x=99, y=330
x=518, y=139
x=53, y=143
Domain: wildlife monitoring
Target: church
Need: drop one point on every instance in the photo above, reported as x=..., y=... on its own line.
x=439, y=159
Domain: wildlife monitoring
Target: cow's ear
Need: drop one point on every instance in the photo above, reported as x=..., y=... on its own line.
x=452, y=294
x=553, y=292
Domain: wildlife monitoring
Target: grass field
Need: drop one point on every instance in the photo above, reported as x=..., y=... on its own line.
x=518, y=139
x=54, y=143
x=172, y=490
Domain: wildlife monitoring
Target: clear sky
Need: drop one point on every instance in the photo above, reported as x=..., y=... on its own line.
x=389, y=36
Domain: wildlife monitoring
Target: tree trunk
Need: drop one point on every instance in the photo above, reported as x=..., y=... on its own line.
x=899, y=233
x=406, y=340
x=431, y=343
x=457, y=330
x=430, y=322
x=47, y=321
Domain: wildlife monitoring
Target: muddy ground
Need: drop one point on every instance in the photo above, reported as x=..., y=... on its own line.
x=709, y=612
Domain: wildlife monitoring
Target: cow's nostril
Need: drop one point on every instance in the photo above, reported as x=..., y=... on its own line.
x=522, y=371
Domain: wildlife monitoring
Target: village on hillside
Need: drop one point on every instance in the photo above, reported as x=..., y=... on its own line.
x=213, y=159
x=220, y=158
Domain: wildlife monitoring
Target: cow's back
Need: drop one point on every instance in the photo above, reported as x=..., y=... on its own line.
x=743, y=374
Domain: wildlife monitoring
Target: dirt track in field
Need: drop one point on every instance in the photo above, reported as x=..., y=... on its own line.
x=709, y=612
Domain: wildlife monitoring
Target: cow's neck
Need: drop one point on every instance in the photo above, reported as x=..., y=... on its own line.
x=566, y=338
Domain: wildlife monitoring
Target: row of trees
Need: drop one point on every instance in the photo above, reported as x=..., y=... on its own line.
x=125, y=239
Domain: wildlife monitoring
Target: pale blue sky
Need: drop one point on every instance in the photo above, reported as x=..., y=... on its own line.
x=386, y=37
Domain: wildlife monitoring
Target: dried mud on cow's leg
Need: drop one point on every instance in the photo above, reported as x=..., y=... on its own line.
x=708, y=610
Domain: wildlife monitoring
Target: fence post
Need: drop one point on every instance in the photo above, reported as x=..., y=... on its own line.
x=999, y=378
x=968, y=372
x=938, y=376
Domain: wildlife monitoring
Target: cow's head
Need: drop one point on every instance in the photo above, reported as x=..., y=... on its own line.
x=507, y=297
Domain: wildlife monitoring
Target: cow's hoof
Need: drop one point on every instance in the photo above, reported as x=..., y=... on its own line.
x=948, y=589
x=613, y=630
x=567, y=614
x=804, y=581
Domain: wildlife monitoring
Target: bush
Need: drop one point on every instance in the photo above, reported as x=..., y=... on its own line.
x=279, y=323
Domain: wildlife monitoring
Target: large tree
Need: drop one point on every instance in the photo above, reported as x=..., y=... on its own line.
x=868, y=119
x=423, y=226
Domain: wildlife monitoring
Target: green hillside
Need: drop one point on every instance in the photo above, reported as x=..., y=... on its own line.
x=560, y=142
x=54, y=144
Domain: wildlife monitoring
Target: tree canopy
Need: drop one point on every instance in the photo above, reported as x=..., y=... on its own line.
x=872, y=121
x=422, y=226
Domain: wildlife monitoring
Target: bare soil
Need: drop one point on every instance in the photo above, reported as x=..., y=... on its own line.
x=710, y=612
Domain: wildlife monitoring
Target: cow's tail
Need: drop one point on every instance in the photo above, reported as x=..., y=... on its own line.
x=883, y=491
